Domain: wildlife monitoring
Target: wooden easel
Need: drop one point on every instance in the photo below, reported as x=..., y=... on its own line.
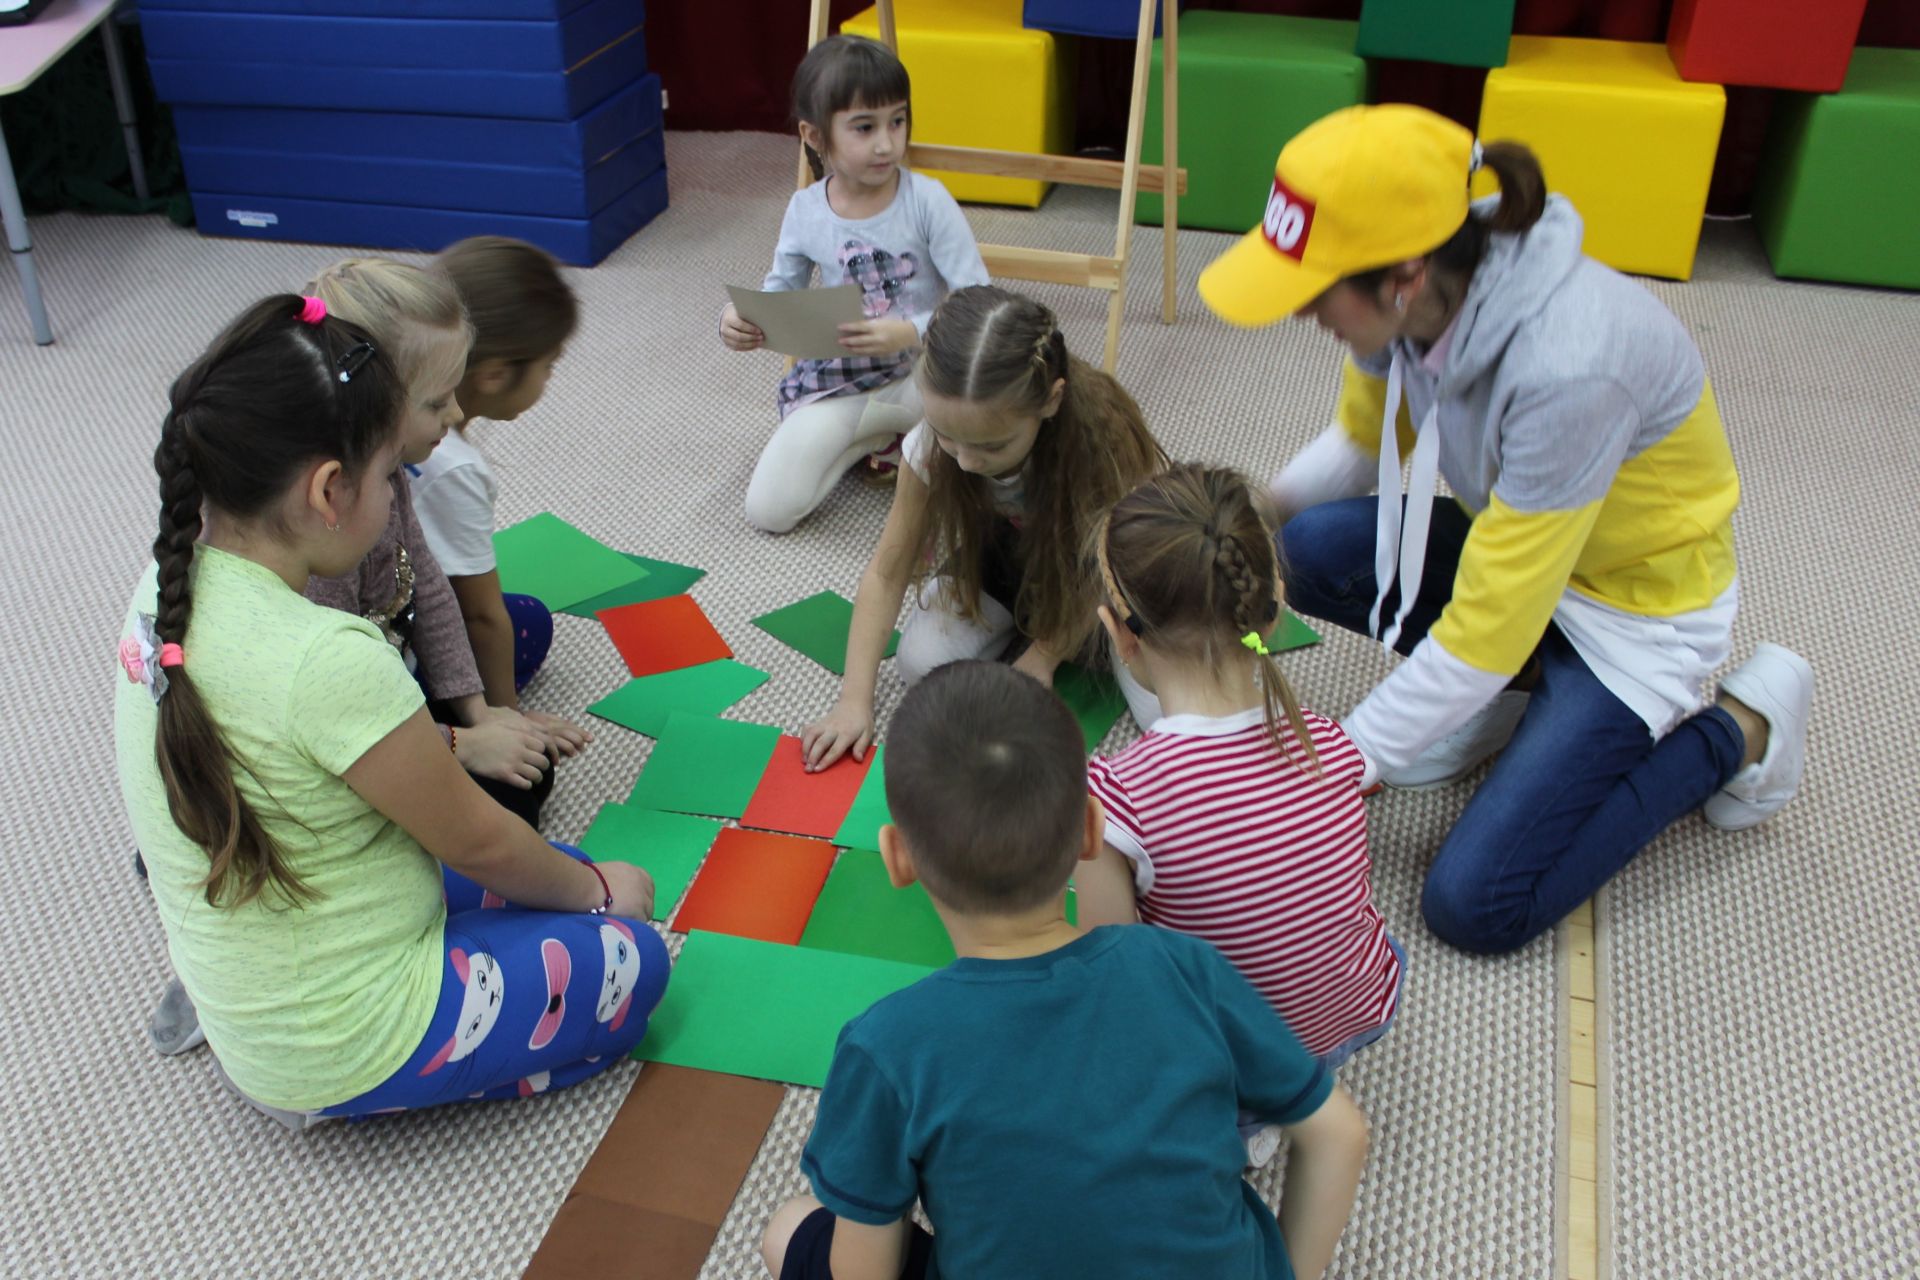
x=1052, y=266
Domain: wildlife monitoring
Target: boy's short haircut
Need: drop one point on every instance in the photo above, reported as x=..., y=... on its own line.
x=986, y=776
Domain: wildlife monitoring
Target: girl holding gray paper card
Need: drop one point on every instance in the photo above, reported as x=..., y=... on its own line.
x=870, y=222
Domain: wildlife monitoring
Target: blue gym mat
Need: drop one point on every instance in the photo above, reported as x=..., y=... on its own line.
x=536, y=95
x=532, y=144
x=580, y=241
x=474, y=45
x=520, y=10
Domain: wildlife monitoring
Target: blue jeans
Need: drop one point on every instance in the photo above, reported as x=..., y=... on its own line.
x=1580, y=790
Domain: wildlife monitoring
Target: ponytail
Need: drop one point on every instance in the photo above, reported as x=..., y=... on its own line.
x=1191, y=558
x=265, y=399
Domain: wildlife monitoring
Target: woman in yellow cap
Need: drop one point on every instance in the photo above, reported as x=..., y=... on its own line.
x=1573, y=600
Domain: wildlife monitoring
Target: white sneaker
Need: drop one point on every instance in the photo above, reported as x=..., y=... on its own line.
x=1457, y=754
x=1262, y=1143
x=1778, y=684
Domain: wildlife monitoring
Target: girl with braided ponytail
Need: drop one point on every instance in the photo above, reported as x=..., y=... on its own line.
x=306, y=830
x=1023, y=450
x=1237, y=818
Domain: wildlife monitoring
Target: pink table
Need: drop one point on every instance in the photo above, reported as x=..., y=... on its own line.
x=25, y=52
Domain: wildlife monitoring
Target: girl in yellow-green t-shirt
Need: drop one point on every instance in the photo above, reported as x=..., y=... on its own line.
x=318, y=856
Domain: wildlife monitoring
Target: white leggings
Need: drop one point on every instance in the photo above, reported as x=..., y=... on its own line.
x=816, y=443
x=934, y=636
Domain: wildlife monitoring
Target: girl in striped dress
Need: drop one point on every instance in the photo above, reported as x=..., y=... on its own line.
x=1237, y=817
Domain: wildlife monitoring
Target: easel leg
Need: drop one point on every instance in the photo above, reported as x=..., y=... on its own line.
x=21, y=244
x=1170, y=152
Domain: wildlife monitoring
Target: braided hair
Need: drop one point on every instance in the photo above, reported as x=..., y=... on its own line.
x=1191, y=561
x=264, y=401
x=991, y=346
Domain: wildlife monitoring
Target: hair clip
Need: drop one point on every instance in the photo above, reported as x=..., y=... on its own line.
x=1478, y=158
x=355, y=360
x=1253, y=641
x=313, y=310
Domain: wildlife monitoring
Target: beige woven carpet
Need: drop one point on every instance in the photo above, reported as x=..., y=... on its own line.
x=1762, y=1008
x=1739, y=1114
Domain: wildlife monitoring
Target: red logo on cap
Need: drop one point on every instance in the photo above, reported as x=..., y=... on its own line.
x=1288, y=220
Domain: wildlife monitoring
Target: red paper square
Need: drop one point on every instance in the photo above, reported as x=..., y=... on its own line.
x=806, y=804
x=756, y=885
x=663, y=635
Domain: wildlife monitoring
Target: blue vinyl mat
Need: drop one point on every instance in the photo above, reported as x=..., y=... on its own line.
x=475, y=45
x=580, y=241
x=534, y=95
x=518, y=10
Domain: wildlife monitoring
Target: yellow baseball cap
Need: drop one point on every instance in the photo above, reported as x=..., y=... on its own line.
x=1359, y=189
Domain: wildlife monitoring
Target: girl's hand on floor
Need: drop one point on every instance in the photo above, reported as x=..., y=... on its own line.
x=564, y=738
x=845, y=728
x=632, y=889
x=503, y=747
x=879, y=337
x=738, y=334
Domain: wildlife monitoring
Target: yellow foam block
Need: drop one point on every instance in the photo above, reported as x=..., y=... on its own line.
x=1620, y=134
x=980, y=79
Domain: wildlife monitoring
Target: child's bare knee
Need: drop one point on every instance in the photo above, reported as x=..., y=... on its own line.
x=780, y=1228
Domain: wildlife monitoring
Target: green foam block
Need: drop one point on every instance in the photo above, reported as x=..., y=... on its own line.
x=1248, y=82
x=668, y=846
x=705, y=765
x=663, y=578
x=1467, y=33
x=707, y=689
x=545, y=557
x=861, y=913
x=764, y=1009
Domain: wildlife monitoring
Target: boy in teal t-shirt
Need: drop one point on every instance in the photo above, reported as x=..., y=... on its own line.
x=1061, y=1103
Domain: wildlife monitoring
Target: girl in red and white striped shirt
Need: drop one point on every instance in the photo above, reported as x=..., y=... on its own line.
x=1237, y=818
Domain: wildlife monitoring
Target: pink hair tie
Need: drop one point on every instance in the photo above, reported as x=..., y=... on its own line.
x=313, y=310
x=171, y=655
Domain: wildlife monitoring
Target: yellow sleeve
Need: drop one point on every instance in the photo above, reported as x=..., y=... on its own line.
x=1513, y=571
x=1363, y=402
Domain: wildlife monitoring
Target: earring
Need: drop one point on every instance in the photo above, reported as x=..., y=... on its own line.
x=334, y=527
x=1400, y=302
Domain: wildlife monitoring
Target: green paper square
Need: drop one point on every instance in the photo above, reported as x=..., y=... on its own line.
x=644, y=704
x=1094, y=698
x=817, y=627
x=861, y=913
x=663, y=578
x=669, y=846
x=1292, y=633
x=861, y=827
x=764, y=1009
x=704, y=765
x=547, y=558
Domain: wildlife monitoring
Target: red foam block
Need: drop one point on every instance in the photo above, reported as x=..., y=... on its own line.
x=1777, y=44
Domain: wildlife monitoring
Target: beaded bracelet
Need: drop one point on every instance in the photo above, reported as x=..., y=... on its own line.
x=453, y=740
x=606, y=904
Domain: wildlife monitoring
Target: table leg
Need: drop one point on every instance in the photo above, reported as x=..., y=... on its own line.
x=21, y=244
x=123, y=102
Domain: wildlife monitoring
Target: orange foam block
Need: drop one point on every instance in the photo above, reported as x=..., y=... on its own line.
x=756, y=885
x=806, y=804
x=663, y=635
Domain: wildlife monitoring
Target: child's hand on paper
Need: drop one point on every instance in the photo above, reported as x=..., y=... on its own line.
x=845, y=728
x=880, y=337
x=738, y=334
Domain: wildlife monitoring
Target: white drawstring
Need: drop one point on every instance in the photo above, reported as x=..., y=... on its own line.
x=1400, y=546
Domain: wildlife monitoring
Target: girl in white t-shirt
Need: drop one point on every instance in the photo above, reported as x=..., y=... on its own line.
x=521, y=312
x=871, y=222
x=1237, y=817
